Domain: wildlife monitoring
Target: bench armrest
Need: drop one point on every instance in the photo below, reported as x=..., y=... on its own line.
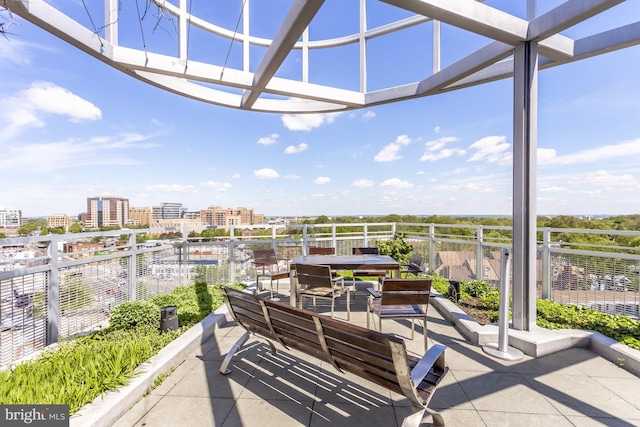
x=426, y=363
x=374, y=293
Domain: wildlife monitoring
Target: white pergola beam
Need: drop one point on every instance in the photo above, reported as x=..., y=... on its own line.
x=607, y=41
x=470, y=64
x=565, y=16
x=298, y=18
x=470, y=15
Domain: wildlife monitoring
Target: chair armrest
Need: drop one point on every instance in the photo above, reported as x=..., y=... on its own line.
x=426, y=363
x=337, y=279
x=373, y=293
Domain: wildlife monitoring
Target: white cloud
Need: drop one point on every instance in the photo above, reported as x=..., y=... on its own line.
x=545, y=155
x=390, y=152
x=322, y=180
x=235, y=176
x=292, y=149
x=14, y=52
x=443, y=154
x=306, y=122
x=173, y=188
x=217, y=186
x=396, y=183
x=72, y=153
x=492, y=149
x=362, y=183
x=603, y=178
x=51, y=98
x=439, y=143
x=605, y=152
x=265, y=173
x=368, y=115
x=27, y=107
x=268, y=140
x=553, y=188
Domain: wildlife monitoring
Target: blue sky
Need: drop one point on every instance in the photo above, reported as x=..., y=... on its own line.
x=72, y=127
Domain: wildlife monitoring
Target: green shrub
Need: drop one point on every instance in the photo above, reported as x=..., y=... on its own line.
x=134, y=313
x=79, y=371
x=204, y=298
x=397, y=248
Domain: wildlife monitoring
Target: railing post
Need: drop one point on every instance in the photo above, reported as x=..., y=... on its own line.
x=366, y=236
x=333, y=237
x=274, y=245
x=546, y=263
x=131, y=273
x=232, y=258
x=479, y=253
x=432, y=248
x=305, y=241
x=53, y=292
x=393, y=230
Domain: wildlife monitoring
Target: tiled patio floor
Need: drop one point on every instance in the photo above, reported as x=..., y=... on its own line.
x=573, y=387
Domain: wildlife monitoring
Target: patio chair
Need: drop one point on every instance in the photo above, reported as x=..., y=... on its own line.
x=268, y=266
x=316, y=250
x=414, y=266
x=367, y=273
x=316, y=281
x=401, y=299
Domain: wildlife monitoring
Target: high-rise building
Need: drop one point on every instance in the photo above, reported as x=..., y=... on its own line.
x=106, y=211
x=10, y=218
x=213, y=215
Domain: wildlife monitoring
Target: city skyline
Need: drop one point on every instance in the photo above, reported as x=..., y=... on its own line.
x=73, y=128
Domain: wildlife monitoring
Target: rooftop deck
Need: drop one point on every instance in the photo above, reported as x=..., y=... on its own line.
x=575, y=386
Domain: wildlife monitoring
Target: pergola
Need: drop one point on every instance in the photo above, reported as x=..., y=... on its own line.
x=517, y=47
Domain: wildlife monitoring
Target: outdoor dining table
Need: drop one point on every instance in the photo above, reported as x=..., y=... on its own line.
x=342, y=262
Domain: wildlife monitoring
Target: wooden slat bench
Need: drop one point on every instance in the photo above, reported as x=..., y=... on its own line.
x=377, y=357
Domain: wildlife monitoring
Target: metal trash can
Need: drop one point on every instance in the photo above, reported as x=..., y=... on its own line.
x=454, y=291
x=168, y=318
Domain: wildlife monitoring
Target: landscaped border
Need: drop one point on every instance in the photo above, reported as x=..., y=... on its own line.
x=540, y=341
x=105, y=410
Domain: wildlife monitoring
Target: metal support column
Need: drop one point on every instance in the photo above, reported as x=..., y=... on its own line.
x=525, y=122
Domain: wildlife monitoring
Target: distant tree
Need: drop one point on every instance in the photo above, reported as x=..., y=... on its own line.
x=76, y=227
x=391, y=218
x=3, y=236
x=322, y=219
x=52, y=230
x=31, y=226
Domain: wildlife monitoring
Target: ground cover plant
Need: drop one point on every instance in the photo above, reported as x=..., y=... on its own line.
x=481, y=301
x=78, y=371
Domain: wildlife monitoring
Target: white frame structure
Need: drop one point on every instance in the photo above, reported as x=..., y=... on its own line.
x=517, y=48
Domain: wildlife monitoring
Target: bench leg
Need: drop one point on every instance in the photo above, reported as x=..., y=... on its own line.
x=416, y=413
x=225, y=363
x=414, y=417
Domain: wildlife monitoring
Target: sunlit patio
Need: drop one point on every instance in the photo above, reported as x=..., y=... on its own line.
x=575, y=386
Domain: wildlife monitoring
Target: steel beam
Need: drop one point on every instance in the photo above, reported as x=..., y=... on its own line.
x=525, y=130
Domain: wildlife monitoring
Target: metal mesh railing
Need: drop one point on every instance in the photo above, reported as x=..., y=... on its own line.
x=23, y=314
x=605, y=282
x=91, y=273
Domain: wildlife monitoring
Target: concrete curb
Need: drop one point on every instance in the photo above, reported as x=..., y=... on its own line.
x=105, y=410
x=539, y=342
